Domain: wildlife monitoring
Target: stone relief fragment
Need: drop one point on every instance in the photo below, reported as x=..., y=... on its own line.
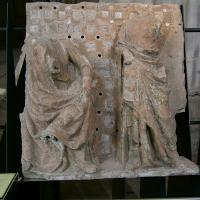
x=100, y=88
x=147, y=124
x=58, y=119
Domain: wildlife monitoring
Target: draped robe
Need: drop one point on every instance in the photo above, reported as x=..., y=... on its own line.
x=147, y=127
x=58, y=115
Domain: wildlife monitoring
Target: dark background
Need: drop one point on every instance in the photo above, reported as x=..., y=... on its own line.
x=188, y=129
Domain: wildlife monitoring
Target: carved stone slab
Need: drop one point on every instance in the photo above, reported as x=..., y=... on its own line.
x=71, y=121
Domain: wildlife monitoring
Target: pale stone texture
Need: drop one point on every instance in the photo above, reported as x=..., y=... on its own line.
x=147, y=127
x=172, y=54
x=108, y=171
x=92, y=30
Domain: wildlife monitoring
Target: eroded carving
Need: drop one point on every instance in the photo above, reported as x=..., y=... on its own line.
x=88, y=114
x=147, y=130
x=58, y=119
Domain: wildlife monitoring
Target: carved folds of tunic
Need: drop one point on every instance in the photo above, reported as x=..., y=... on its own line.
x=146, y=121
x=99, y=90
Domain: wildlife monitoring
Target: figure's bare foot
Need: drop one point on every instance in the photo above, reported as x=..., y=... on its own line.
x=85, y=165
x=174, y=162
x=90, y=168
x=146, y=165
x=133, y=165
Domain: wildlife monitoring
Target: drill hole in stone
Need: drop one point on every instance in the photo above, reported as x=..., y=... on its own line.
x=98, y=37
x=100, y=93
x=82, y=7
x=97, y=129
x=82, y=36
x=69, y=36
x=98, y=112
x=99, y=55
x=54, y=8
x=40, y=7
x=56, y=67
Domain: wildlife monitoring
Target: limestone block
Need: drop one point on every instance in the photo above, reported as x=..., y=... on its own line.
x=79, y=69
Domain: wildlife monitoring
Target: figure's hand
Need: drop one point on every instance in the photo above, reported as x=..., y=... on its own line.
x=128, y=57
x=86, y=97
x=87, y=85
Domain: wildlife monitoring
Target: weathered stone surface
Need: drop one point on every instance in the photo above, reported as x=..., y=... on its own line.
x=172, y=50
x=147, y=128
x=58, y=118
x=108, y=170
x=73, y=115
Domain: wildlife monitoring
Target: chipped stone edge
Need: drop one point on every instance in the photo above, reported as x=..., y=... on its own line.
x=186, y=167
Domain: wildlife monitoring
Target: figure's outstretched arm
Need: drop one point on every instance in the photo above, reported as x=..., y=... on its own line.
x=80, y=61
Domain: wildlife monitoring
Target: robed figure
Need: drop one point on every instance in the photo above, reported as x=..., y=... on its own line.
x=147, y=128
x=58, y=117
